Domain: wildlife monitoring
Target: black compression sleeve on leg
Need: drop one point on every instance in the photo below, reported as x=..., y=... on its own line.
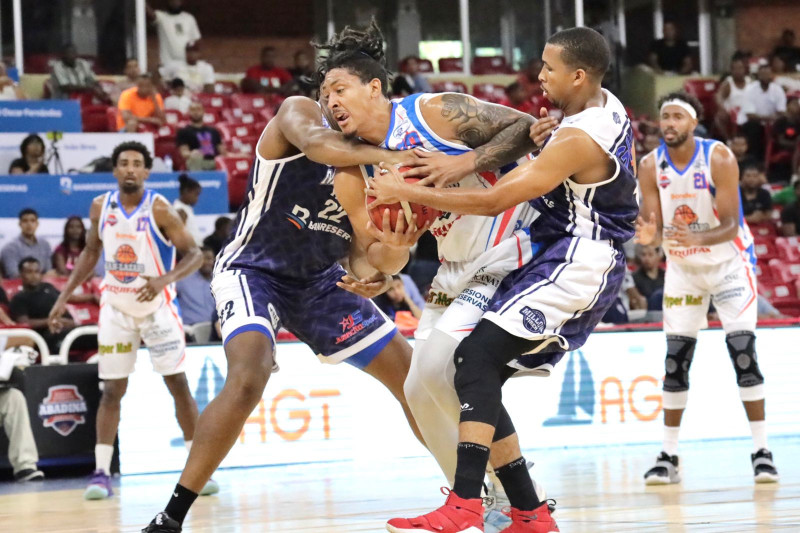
x=505, y=426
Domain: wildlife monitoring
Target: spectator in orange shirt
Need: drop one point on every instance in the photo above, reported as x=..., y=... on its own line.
x=517, y=98
x=266, y=76
x=140, y=105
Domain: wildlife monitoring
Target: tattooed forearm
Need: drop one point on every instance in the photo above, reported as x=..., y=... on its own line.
x=498, y=134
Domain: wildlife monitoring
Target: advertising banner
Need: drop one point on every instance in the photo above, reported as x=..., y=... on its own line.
x=40, y=115
x=75, y=150
x=608, y=393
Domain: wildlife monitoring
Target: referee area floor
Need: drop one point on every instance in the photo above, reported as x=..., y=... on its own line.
x=598, y=489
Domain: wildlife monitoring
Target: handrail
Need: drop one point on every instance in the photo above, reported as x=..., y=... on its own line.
x=44, y=351
x=66, y=344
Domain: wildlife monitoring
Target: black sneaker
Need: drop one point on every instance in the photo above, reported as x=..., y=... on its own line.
x=162, y=523
x=763, y=467
x=665, y=472
x=29, y=474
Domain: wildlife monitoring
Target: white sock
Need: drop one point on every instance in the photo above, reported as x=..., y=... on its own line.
x=759, y=431
x=188, y=445
x=671, y=439
x=102, y=457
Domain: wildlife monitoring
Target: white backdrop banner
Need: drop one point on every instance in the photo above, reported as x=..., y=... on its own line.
x=607, y=393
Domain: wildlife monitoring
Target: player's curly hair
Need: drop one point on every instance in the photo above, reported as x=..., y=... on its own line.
x=684, y=97
x=359, y=51
x=132, y=146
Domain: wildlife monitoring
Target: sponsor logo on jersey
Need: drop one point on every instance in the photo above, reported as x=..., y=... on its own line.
x=111, y=219
x=683, y=196
x=533, y=320
x=677, y=301
x=124, y=267
x=663, y=181
x=142, y=224
x=63, y=409
x=353, y=324
x=689, y=251
x=686, y=214
x=439, y=298
x=474, y=298
x=120, y=347
x=273, y=316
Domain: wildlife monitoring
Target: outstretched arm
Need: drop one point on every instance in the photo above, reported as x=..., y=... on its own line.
x=649, y=225
x=568, y=153
x=300, y=122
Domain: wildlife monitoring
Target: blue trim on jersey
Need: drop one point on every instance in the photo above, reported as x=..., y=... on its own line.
x=707, y=143
x=409, y=104
x=363, y=358
x=391, y=125
x=489, y=238
x=697, y=147
x=244, y=293
x=165, y=251
x=250, y=327
x=146, y=194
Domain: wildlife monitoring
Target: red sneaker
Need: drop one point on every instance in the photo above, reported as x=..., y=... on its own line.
x=457, y=515
x=536, y=521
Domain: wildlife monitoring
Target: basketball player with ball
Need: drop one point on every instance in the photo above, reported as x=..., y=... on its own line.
x=482, y=141
x=690, y=195
x=141, y=233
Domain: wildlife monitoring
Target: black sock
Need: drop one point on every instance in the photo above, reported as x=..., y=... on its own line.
x=518, y=485
x=470, y=469
x=178, y=506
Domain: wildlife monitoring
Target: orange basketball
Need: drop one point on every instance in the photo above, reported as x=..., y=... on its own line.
x=685, y=213
x=125, y=254
x=423, y=212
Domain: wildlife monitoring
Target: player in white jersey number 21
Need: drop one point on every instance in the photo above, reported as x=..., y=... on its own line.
x=690, y=194
x=140, y=233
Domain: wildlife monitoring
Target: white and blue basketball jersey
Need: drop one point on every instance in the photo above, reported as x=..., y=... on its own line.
x=598, y=211
x=133, y=247
x=689, y=194
x=459, y=237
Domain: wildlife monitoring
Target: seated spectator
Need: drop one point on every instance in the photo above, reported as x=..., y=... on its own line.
x=26, y=245
x=33, y=303
x=22, y=452
x=32, y=160
x=140, y=105
x=401, y=296
x=198, y=142
x=198, y=75
x=785, y=139
x=650, y=142
x=132, y=74
x=756, y=201
x=669, y=54
x=730, y=98
x=303, y=74
x=179, y=98
x=70, y=74
x=176, y=28
x=529, y=78
x=194, y=291
x=66, y=253
x=790, y=216
x=764, y=102
x=766, y=310
x=266, y=76
x=9, y=89
x=649, y=278
x=188, y=194
x=222, y=228
x=741, y=150
x=788, y=83
x=788, y=50
x=517, y=98
x=410, y=80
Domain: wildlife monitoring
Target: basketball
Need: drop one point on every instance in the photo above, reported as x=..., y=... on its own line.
x=423, y=212
x=685, y=213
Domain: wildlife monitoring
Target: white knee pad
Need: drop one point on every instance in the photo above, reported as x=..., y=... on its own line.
x=752, y=394
x=675, y=400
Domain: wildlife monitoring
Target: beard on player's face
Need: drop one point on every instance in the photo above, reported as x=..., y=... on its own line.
x=677, y=140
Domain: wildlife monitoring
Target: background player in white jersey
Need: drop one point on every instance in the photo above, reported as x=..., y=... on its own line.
x=476, y=251
x=140, y=233
x=690, y=195
x=583, y=183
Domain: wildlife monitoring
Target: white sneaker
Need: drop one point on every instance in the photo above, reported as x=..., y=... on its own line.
x=665, y=472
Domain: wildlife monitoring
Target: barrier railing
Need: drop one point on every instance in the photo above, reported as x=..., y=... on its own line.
x=44, y=351
x=66, y=344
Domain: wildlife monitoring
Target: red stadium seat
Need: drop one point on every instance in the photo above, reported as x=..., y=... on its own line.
x=165, y=146
x=788, y=248
x=212, y=116
x=764, y=274
x=229, y=131
x=174, y=117
x=244, y=145
x=12, y=287
x=165, y=131
x=704, y=90
x=489, y=91
x=425, y=65
x=491, y=65
x=451, y=64
x=94, y=118
x=213, y=101
x=236, y=115
x=111, y=117
x=85, y=313
x=267, y=114
x=238, y=170
x=249, y=103
x=784, y=272
x=449, y=87
x=765, y=250
x=225, y=87
x=765, y=229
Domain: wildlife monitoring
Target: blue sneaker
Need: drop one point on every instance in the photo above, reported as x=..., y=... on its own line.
x=99, y=487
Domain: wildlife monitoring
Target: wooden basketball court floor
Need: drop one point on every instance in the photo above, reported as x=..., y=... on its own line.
x=598, y=490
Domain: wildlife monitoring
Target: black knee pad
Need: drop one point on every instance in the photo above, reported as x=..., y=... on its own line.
x=505, y=426
x=478, y=380
x=680, y=351
x=742, y=349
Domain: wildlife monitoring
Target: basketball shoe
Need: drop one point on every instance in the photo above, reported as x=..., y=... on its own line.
x=457, y=515
x=99, y=487
x=537, y=521
x=763, y=468
x=665, y=472
x=162, y=523
x=494, y=519
x=211, y=487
